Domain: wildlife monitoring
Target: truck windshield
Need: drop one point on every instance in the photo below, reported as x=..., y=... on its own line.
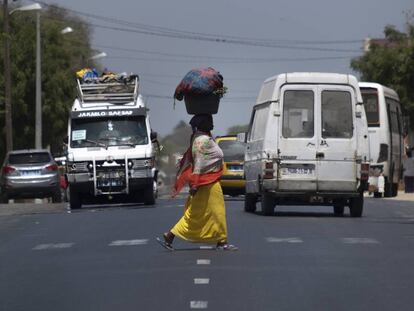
x=117, y=131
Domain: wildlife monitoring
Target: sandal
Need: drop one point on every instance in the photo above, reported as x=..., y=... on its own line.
x=164, y=244
x=227, y=247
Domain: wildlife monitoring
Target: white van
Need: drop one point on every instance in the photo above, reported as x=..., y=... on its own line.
x=385, y=128
x=308, y=143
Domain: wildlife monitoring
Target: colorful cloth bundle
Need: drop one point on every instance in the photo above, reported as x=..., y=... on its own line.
x=199, y=81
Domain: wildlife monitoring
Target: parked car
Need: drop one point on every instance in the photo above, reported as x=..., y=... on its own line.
x=232, y=181
x=30, y=174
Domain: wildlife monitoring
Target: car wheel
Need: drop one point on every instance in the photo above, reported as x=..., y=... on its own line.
x=57, y=196
x=149, y=195
x=268, y=204
x=250, y=202
x=75, y=201
x=4, y=199
x=356, y=206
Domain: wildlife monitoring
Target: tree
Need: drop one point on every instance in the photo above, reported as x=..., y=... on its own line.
x=391, y=63
x=62, y=56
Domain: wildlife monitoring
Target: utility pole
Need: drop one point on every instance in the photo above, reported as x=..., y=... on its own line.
x=7, y=79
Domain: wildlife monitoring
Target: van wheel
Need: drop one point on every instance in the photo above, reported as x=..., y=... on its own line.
x=250, y=203
x=268, y=204
x=356, y=206
x=339, y=209
x=75, y=201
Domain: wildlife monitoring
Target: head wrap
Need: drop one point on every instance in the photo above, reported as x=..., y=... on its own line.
x=199, y=119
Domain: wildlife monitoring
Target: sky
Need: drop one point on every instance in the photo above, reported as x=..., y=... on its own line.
x=272, y=37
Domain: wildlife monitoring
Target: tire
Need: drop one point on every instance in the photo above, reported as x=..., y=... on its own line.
x=394, y=190
x=388, y=190
x=356, y=206
x=149, y=195
x=75, y=201
x=250, y=203
x=4, y=199
x=377, y=195
x=57, y=196
x=339, y=209
x=268, y=204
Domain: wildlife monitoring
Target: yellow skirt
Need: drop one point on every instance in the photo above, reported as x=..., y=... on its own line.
x=204, y=217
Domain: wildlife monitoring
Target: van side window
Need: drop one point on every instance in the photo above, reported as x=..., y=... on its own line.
x=259, y=123
x=370, y=98
x=337, y=121
x=298, y=106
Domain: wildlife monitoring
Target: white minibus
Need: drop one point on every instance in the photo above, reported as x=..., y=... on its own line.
x=385, y=128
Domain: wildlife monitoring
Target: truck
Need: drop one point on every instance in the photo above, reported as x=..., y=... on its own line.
x=111, y=148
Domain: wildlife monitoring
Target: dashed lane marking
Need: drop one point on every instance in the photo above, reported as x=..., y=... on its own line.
x=198, y=304
x=203, y=261
x=41, y=247
x=201, y=281
x=284, y=240
x=207, y=247
x=359, y=241
x=128, y=242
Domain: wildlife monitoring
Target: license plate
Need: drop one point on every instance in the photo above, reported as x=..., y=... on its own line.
x=30, y=173
x=235, y=167
x=303, y=170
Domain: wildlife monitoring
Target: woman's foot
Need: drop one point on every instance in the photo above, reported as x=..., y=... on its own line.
x=226, y=247
x=165, y=244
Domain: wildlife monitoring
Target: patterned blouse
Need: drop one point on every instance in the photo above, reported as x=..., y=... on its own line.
x=207, y=155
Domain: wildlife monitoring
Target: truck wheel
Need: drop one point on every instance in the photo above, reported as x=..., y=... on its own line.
x=268, y=204
x=388, y=190
x=394, y=190
x=250, y=202
x=339, y=209
x=149, y=195
x=75, y=201
x=356, y=206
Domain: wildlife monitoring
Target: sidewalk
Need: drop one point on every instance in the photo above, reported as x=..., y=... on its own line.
x=402, y=196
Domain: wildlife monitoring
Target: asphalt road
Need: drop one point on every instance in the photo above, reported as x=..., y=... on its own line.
x=303, y=258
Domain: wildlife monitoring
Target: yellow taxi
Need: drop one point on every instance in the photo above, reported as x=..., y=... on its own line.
x=232, y=181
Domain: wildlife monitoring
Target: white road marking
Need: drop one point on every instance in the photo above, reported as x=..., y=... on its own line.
x=52, y=246
x=207, y=247
x=128, y=242
x=201, y=281
x=197, y=304
x=203, y=261
x=284, y=240
x=359, y=241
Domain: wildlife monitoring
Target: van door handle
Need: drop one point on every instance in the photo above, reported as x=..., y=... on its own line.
x=320, y=155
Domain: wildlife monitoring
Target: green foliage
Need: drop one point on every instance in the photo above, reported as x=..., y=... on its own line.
x=234, y=130
x=61, y=56
x=392, y=64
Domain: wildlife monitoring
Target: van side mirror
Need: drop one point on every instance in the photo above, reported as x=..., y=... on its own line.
x=242, y=137
x=154, y=136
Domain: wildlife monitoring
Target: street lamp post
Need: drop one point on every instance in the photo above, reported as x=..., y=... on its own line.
x=38, y=115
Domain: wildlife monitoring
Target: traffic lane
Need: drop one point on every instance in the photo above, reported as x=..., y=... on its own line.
x=262, y=273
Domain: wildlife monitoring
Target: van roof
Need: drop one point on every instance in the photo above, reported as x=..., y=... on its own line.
x=271, y=86
x=78, y=106
x=387, y=91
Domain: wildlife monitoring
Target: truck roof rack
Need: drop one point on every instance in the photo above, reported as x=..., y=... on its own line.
x=116, y=92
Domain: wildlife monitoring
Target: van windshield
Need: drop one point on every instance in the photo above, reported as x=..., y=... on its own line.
x=233, y=150
x=370, y=98
x=298, y=114
x=109, y=132
x=337, y=119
